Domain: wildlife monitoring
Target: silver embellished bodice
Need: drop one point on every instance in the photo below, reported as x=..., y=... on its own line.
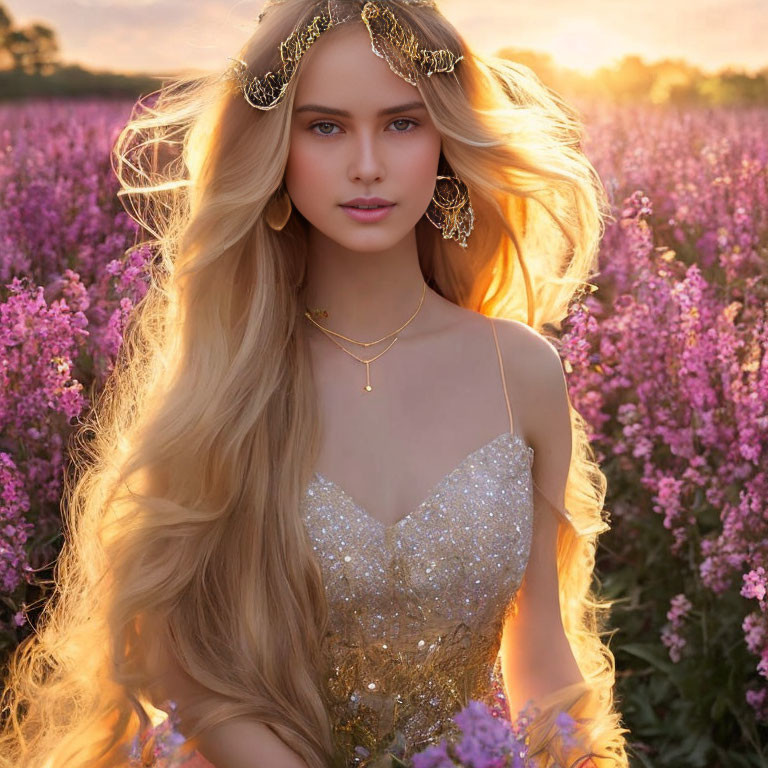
x=417, y=608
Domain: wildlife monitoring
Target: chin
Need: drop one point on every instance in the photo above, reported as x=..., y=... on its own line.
x=368, y=244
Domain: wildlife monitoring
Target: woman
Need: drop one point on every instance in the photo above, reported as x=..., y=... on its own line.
x=317, y=542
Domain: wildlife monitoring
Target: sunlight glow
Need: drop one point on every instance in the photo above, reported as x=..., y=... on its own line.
x=583, y=44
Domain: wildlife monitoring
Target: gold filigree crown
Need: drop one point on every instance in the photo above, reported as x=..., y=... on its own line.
x=390, y=40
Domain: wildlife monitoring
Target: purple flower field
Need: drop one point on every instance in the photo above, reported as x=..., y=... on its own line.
x=666, y=361
x=66, y=292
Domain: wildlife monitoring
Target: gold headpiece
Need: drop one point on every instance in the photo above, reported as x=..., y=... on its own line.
x=389, y=40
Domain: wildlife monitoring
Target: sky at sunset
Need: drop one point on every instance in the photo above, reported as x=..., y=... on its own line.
x=161, y=36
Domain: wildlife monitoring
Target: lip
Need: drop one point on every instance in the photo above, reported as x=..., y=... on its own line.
x=367, y=201
x=373, y=215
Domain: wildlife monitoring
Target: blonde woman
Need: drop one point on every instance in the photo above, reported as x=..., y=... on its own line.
x=336, y=488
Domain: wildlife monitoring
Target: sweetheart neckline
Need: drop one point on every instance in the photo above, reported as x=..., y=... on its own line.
x=432, y=492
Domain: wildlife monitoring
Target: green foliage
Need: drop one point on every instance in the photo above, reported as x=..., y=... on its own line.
x=73, y=81
x=680, y=713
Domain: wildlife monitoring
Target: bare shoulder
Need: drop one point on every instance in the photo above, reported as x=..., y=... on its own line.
x=533, y=365
x=518, y=338
x=536, y=380
x=244, y=743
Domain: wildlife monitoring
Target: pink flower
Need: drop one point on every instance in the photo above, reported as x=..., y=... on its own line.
x=754, y=584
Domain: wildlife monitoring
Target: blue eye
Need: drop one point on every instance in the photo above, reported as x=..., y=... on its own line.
x=333, y=125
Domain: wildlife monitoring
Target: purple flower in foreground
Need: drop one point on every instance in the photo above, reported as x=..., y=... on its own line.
x=163, y=744
x=487, y=739
x=435, y=756
x=566, y=725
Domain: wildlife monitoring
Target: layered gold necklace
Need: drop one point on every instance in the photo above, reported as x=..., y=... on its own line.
x=330, y=334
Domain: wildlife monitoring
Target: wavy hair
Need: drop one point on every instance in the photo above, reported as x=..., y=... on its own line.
x=183, y=513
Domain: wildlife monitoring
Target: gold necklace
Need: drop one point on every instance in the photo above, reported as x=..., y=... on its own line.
x=329, y=333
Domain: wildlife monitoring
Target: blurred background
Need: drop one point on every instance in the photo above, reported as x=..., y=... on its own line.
x=666, y=357
x=681, y=52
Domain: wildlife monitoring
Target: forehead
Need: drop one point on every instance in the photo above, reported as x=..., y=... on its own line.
x=340, y=69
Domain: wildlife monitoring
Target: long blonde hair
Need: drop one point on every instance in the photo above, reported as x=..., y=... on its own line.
x=185, y=504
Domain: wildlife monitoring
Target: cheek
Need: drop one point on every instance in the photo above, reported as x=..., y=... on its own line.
x=307, y=172
x=414, y=163
x=419, y=171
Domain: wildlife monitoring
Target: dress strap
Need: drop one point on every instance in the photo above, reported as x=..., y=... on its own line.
x=503, y=380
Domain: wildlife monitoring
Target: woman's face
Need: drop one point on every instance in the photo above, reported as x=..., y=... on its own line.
x=358, y=130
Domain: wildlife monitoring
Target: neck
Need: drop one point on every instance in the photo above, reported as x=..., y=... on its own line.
x=367, y=294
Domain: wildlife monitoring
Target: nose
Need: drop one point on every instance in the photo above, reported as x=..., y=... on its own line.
x=366, y=163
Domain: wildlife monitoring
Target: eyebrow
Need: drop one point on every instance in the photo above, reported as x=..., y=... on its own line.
x=411, y=105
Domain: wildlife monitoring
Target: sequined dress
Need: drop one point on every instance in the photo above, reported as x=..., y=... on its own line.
x=417, y=608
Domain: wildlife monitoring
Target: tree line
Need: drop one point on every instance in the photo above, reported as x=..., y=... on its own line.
x=32, y=49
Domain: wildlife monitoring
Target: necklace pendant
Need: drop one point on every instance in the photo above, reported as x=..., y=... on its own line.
x=367, y=387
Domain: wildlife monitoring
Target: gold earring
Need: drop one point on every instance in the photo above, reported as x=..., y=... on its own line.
x=450, y=209
x=278, y=210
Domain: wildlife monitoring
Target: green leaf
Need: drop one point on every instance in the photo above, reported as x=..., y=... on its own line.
x=651, y=654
